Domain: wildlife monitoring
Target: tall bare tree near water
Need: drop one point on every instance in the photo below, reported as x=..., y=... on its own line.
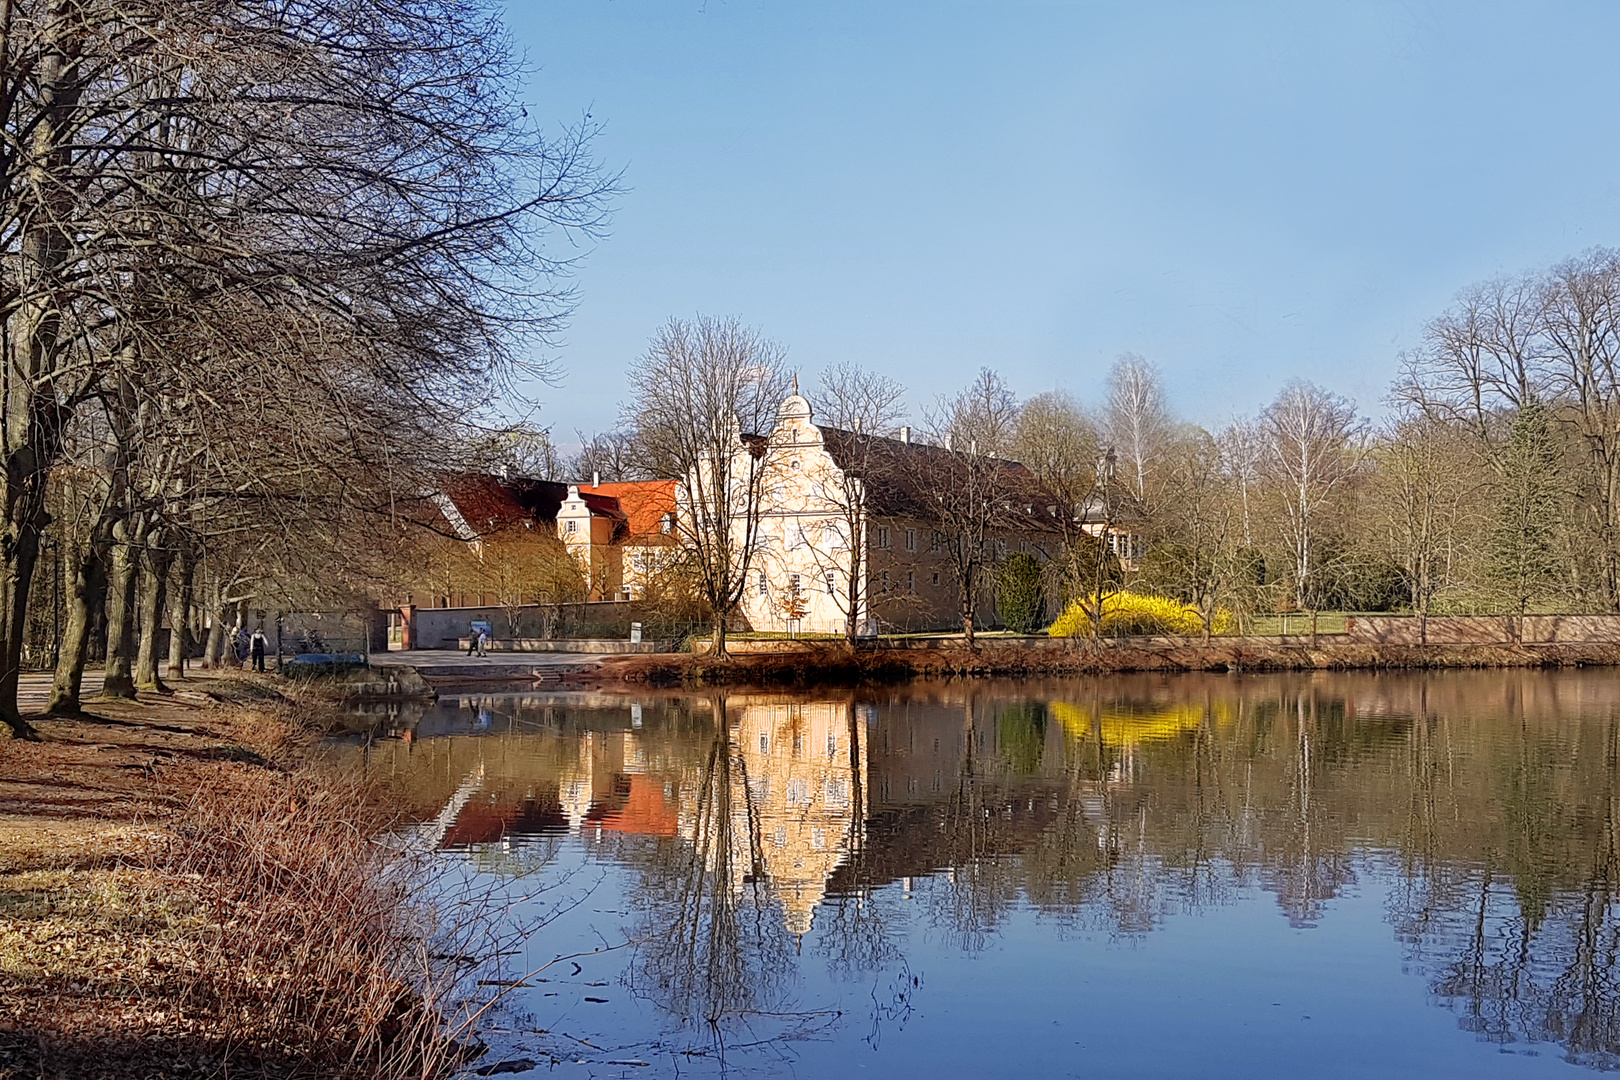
x=1136, y=418
x=1311, y=455
x=1193, y=551
x=1422, y=496
x=974, y=489
x=863, y=407
x=705, y=396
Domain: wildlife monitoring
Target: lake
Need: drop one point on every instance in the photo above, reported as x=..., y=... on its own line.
x=1324, y=874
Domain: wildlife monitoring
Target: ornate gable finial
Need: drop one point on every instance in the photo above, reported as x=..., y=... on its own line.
x=795, y=383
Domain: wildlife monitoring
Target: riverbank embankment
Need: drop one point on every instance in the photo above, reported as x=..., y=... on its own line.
x=835, y=664
x=186, y=891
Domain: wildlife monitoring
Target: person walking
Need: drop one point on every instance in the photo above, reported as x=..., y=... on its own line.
x=478, y=640
x=257, y=644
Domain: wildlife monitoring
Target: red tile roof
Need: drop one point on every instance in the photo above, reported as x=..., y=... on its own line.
x=642, y=503
x=490, y=504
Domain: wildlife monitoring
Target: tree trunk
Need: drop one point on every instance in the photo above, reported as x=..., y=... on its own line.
x=214, y=648
x=179, y=614
x=154, y=587
x=86, y=597
x=34, y=419
x=718, y=647
x=124, y=564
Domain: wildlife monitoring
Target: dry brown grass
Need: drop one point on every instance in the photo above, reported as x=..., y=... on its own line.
x=250, y=917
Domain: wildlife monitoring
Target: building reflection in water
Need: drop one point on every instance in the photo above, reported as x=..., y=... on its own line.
x=757, y=825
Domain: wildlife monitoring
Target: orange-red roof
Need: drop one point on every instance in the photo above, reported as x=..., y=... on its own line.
x=645, y=811
x=642, y=502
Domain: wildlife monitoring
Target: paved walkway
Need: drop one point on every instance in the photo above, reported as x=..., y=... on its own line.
x=34, y=689
x=431, y=661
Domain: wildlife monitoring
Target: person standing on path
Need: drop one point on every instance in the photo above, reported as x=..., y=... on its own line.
x=257, y=644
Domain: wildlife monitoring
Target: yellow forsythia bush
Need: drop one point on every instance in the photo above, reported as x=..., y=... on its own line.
x=1126, y=613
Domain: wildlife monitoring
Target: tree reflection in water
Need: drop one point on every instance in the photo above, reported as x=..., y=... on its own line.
x=1483, y=804
x=713, y=944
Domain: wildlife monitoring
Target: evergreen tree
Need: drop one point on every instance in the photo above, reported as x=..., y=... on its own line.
x=1523, y=561
x=1018, y=593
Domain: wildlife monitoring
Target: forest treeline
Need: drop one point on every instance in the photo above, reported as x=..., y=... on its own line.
x=1491, y=485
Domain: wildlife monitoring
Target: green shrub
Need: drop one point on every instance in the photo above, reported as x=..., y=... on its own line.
x=1019, y=596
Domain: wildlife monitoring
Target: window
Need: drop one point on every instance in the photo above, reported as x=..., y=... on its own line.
x=764, y=584
x=818, y=838
x=795, y=466
x=570, y=527
x=793, y=583
x=936, y=578
x=883, y=536
x=837, y=794
x=1001, y=548
x=798, y=792
x=939, y=541
x=911, y=582
x=832, y=744
x=666, y=524
x=764, y=743
x=885, y=581
x=911, y=539
x=831, y=588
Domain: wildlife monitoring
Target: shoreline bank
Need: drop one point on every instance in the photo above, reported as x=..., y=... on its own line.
x=834, y=664
x=185, y=890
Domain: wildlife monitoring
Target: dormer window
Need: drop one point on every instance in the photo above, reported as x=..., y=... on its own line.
x=570, y=527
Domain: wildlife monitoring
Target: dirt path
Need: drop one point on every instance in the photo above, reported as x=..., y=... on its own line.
x=105, y=771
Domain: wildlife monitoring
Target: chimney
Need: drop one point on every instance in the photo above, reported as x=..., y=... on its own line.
x=905, y=434
x=596, y=479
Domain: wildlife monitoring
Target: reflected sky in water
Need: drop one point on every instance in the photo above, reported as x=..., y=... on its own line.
x=1324, y=875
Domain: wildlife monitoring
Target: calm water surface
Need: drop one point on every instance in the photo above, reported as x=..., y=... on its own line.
x=1329, y=875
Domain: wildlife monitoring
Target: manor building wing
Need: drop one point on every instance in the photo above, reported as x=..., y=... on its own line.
x=859, y=527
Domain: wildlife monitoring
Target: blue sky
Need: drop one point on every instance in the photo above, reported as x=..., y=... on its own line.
x=1241, y=192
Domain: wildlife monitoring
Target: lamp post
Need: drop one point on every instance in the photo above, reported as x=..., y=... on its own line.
x=1107, y=466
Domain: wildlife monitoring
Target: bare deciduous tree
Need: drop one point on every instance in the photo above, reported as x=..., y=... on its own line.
x=1311, y=453
x=1422, y=492
x=975, y=492
x=860, y=408
x=705, y=395
x=1192, y=551
x=361, y=167
x=1137, y=420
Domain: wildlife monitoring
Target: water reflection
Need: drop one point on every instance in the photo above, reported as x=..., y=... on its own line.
x=1482, y=807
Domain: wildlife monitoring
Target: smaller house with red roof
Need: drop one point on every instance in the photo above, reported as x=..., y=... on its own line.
x=623, y=534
